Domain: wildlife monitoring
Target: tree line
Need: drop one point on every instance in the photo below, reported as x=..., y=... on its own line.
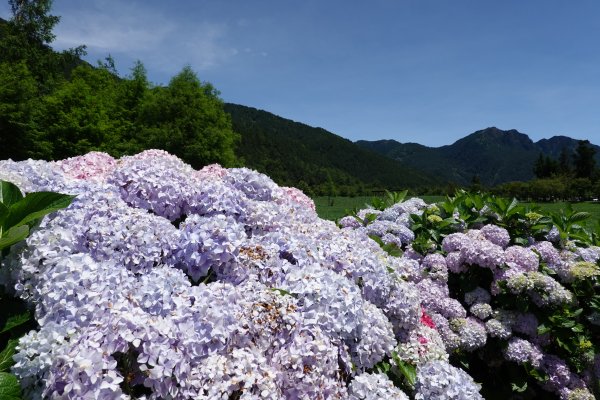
x=53, y=105
x=572, y=176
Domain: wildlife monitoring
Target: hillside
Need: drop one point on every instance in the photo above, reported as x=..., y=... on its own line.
x=296, y=154
x=492, y=154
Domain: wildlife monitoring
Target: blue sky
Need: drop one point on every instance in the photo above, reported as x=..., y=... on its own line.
x=420, y=71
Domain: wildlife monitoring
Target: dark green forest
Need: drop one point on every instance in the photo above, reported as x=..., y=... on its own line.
x=53, y=105
x=315, y=160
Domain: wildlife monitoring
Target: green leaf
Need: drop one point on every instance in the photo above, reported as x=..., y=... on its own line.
x=543, y=329
x=519, y=389
x=282, y=292
x=521, y=241
x=34, y=206
x=15, y=320
x=6, y=360
x=377, y=239
x=13, y=235
x=3, y=215
x=580, y=216
x=9, y=193
x=9, y=387
x=408, y=371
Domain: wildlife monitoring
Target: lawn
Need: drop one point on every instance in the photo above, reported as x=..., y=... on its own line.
x=333, y=208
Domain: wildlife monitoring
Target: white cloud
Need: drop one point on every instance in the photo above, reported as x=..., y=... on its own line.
x=138, y=31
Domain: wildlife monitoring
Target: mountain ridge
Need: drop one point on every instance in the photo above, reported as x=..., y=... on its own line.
x=293, y=153
x=493, y=155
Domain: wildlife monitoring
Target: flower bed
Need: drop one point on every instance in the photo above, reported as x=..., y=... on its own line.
x=161, y=281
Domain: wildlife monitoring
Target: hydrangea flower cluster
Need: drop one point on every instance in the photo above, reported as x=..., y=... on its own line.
x=161, y=281
x=537, y=273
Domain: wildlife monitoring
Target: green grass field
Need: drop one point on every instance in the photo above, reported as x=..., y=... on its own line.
x=332, y=208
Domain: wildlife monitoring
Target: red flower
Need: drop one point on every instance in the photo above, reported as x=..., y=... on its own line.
x=426, y=320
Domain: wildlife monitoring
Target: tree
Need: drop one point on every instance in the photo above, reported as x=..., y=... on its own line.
x=187, y=119
x=545, y=167
x=26, y=37
x=129, y=96
x=18, y=102
x=82, y=114
x=31, y=18
x=584, y=159
x=564, y=162
x=475, y=184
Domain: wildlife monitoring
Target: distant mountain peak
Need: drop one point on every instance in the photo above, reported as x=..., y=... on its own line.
x=493, y=154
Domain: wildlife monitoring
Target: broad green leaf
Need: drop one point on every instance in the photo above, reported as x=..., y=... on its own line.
x=9, y=193
x=543, y=329
x=13, y=235
x=377, y=239
x=521, y=241
x=511, y=208
x=3, y=215
x=15, y=320
x=408, y=371
x=6, y=356
x=519, y=389
x=580, y=216
x=392, y=250
x=10, y=389
x=36, y=205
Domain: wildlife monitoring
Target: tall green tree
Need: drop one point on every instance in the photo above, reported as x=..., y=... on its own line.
x=18, y=102
x=545, y=167
x=130, y=94
x=32, y=19
x=584, y=159
x=82, y=114
x=564, y=162
x=187, y=119
x=27, y=37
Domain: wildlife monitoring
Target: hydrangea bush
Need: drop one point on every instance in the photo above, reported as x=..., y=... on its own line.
x=161, y=281
x=514, y=295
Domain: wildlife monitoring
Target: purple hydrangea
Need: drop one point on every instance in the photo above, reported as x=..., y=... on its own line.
x=440, y=380
x=522, y=351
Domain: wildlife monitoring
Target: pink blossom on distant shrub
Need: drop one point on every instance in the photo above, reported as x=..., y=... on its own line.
x=94, y=166
x=299, y=197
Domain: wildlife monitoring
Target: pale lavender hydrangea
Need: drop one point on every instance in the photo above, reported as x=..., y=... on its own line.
x=497, y=235
x=208, y=242
x=420, y=346
x=477, y=295
x=500, y=326
x=588, y=254
x=434, y=267
x=159, y=184
x=547, y=291
x=522, y=351
x=349, y=221
x=471, y=332
x=521, y=259
x=381, y=227
x=374, y=387
x=548, y=254
x=290, y=305
x=440, y=380
x=481, y=310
